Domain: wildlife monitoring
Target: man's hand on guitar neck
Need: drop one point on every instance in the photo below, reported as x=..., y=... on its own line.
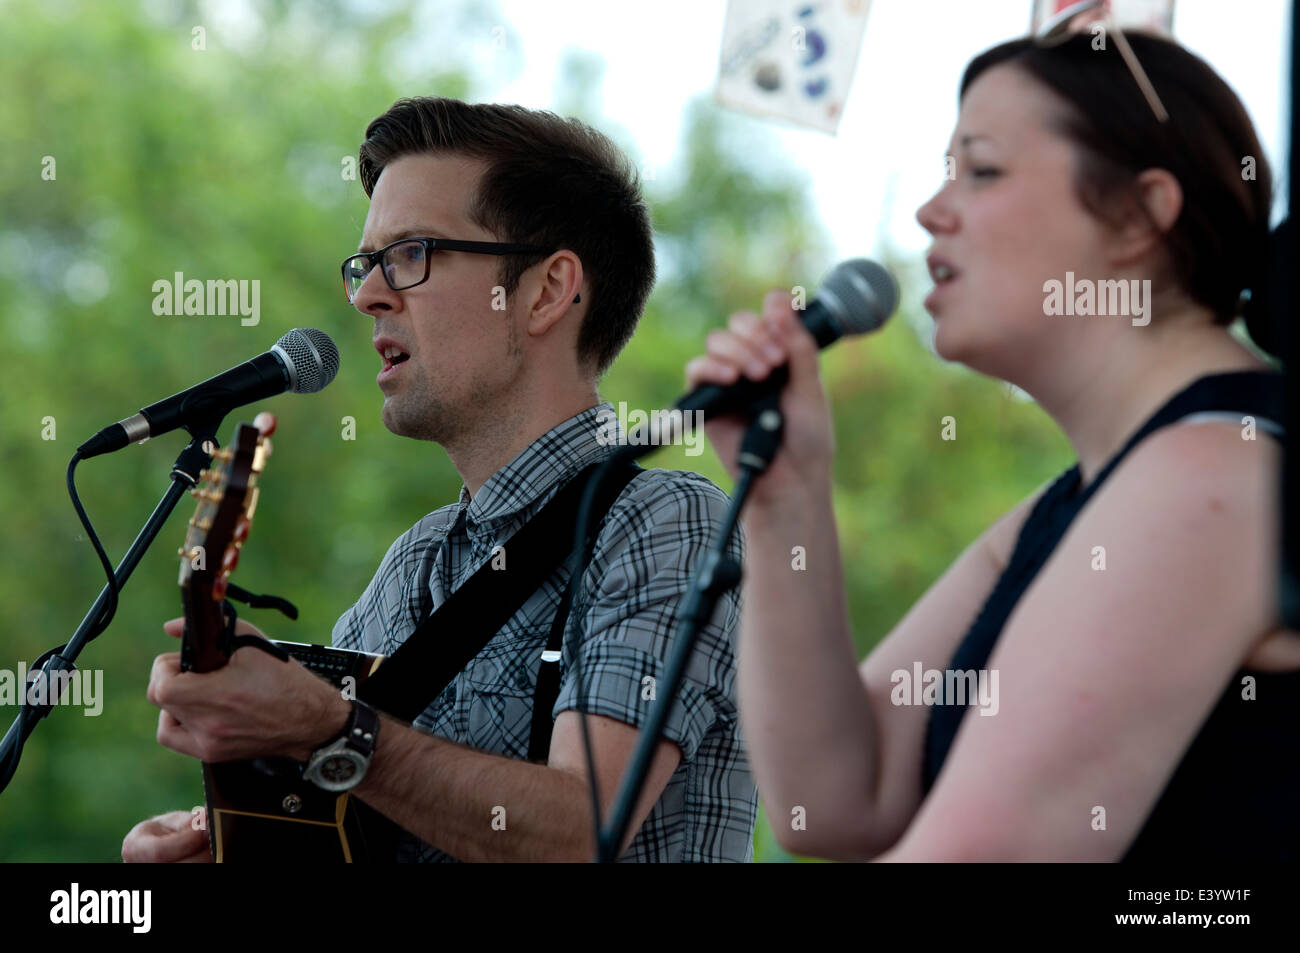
x=256, y=706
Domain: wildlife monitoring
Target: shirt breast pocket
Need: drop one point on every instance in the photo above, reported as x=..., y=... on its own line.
x=500, y=683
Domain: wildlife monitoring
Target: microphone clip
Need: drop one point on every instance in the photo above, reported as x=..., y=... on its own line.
x=763, y=438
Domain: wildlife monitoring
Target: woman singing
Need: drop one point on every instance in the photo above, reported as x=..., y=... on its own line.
x=1148, y=699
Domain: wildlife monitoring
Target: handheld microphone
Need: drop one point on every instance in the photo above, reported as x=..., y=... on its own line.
x=304, y=361
x=857, y=296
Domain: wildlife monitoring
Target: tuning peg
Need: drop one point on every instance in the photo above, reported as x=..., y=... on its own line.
x=265, y=422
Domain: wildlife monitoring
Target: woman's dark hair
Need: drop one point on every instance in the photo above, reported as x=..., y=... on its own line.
x=1220, y=243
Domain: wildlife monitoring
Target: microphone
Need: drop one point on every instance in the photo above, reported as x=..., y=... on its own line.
x=304, y=361
x=857, y=296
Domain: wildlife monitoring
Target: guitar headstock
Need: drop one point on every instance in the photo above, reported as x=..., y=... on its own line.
x=227, y=501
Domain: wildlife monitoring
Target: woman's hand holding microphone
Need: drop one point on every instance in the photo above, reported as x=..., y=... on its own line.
x=752, y=347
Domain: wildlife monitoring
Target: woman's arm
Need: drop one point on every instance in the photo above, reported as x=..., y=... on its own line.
x=1105, y=675
x=823, y=734
x=838, y=766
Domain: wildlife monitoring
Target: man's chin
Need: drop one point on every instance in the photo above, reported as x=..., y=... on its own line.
x=392, y=420
x=401, y=426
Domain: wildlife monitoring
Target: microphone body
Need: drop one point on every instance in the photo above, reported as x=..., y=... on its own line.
x=857, y=296
x=304, y=361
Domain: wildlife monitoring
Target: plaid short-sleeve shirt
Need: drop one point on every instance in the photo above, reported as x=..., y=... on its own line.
x=656, y=532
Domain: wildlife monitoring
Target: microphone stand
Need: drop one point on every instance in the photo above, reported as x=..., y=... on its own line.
x=184, y=476
x=716, y=574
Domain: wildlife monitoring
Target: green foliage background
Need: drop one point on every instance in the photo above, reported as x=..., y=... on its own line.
x=226, y=163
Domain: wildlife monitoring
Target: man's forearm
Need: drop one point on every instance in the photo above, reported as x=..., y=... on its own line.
x=476, y=806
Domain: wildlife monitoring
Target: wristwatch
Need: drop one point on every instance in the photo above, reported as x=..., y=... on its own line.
x=340, y=763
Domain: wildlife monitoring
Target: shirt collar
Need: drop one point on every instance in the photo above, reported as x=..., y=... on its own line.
x=507, y=499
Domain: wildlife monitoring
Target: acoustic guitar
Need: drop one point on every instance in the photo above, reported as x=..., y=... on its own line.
x=263, y=810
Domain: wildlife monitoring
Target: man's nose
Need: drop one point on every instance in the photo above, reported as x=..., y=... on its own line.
x=375, y=295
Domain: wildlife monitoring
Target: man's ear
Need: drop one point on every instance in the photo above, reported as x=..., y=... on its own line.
x=560, y=282
x=1158, y=201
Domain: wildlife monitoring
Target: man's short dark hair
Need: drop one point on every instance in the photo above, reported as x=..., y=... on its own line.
x=549, y=181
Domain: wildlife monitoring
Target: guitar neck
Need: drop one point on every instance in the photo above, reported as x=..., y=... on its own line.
x=213, y=544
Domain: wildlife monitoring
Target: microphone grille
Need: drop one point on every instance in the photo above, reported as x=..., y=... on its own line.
x=863, y=294
x=313, y=356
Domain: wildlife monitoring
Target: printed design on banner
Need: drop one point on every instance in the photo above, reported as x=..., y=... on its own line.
x=791, y=60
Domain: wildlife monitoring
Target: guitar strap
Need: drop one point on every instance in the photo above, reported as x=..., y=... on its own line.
x=447, y=640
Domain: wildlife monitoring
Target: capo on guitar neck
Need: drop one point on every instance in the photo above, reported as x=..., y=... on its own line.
x=254, y=601
x=254, y=641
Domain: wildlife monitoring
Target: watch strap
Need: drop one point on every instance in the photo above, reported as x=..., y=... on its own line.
x=362, y=729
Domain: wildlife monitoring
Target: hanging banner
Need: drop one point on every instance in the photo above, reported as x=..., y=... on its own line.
x=1153, y=16
x=791, y=60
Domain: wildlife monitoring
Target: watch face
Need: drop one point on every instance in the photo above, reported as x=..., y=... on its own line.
x=338, y=769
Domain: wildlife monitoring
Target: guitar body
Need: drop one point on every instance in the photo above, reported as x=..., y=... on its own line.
x=263, y=810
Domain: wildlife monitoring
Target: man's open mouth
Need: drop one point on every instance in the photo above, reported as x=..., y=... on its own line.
x=394, y=356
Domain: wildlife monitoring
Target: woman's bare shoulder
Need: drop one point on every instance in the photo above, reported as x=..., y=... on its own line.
x=1000, y=538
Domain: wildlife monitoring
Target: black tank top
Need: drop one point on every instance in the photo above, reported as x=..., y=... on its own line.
x=1236, y=793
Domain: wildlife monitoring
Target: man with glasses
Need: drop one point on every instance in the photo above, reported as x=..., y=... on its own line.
x=505, y=260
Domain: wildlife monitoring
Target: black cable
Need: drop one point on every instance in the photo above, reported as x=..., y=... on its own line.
x=110, y=608
x=714, y=574
x=29, y=715
x=761, y=442
x=576, y=592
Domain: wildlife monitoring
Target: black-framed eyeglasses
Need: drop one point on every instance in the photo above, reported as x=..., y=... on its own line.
x=406, y=261
x=1060, y=27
